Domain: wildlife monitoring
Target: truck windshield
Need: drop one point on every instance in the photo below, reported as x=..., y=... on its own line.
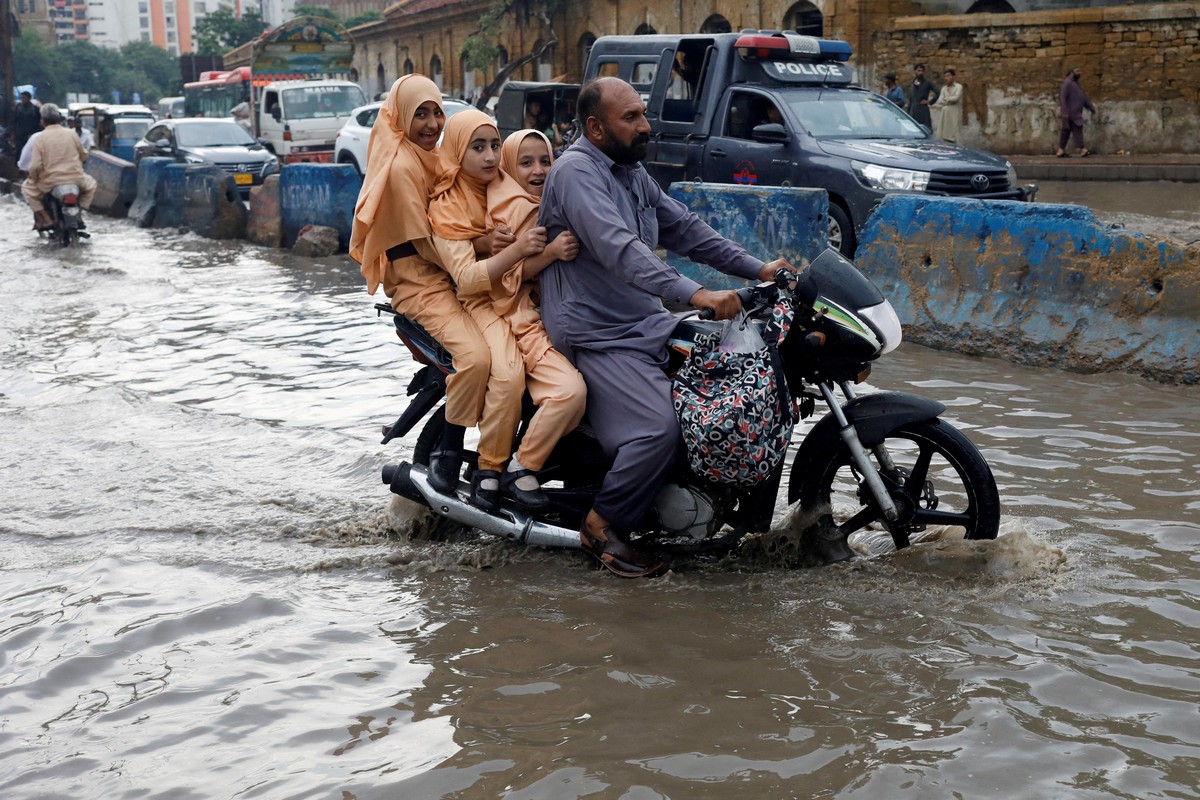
x=317, y=101
x=851, y=115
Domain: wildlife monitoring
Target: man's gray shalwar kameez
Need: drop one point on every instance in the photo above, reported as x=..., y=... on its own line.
x=603, y=311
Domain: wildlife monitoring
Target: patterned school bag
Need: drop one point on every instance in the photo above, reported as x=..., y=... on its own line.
x=734, y=407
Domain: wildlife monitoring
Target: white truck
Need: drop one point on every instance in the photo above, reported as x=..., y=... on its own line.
x=299, y=120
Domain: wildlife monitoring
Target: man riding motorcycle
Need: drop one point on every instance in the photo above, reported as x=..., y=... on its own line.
x=58, y=157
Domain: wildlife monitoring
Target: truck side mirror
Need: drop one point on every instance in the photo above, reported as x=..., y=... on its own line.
x=276, y=113
x=770, y=133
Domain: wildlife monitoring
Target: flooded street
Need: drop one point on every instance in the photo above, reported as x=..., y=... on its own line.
x=1160, y=208
x=208, y=593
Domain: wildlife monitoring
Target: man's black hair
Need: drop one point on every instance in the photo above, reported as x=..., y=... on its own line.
x=588, y=102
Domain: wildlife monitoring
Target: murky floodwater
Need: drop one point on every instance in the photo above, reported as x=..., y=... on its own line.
x=1161, y=208
x=203, y=597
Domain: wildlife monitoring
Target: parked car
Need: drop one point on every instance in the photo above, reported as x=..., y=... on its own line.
x=350, y=147
x=214, y=141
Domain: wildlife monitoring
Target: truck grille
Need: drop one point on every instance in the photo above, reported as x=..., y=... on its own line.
x=976, y=183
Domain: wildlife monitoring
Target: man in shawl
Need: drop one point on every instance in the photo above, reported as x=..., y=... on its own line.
x=1072, y=100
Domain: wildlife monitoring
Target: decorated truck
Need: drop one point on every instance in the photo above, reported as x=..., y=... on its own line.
x=296, y=87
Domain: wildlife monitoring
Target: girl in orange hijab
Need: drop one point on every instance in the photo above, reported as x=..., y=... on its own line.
x=468, y=163
x=553, y=382
x=390, y=238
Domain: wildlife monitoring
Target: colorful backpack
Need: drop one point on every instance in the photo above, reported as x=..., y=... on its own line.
x=734, y=407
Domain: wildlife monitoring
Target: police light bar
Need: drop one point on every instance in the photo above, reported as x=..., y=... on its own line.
x=791, y=46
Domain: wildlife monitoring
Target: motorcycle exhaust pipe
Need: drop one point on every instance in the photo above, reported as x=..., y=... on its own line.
x=412, y=481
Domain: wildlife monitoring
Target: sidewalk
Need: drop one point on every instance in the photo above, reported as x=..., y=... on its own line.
x=1106, y=167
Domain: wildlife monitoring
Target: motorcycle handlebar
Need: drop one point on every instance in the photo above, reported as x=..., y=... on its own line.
x=749, y=296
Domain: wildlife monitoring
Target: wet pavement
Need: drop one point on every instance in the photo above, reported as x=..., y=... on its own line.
x=207, y=592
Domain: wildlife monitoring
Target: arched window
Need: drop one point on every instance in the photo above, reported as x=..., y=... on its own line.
x=380, y=78
x=408, y=66
x=435, y=71
x=585, y=48
x=545, y=62
x=804, y=18
x=645, y=29
x=468, y=77
x=990, y=7
x=501, y=58
x=716, y=24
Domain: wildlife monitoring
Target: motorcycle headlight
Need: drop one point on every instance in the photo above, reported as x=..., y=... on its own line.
x=889, y=178
x=883, y=318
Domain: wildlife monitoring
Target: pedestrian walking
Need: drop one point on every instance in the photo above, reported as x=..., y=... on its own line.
x=1072, y=100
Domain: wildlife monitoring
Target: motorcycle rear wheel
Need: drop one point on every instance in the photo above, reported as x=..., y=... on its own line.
x=940, y=479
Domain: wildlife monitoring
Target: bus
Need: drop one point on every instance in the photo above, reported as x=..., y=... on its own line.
x=216, y=93
x=171, y=108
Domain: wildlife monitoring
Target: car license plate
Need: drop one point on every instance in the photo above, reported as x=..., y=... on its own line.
x=243, y=178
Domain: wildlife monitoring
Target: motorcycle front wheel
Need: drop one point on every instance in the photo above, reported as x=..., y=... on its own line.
x=936, y=478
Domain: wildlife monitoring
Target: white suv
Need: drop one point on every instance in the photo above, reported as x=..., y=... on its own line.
x=350, y=146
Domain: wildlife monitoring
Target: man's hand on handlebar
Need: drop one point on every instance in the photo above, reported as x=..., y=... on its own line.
x=718, y=305
x=767, y=273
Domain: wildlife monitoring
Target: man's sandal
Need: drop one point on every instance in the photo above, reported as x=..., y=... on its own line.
x=618, y=556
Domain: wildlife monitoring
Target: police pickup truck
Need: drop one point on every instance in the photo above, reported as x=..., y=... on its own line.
x=779, y=109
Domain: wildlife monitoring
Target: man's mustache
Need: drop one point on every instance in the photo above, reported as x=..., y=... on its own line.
x=640, y=138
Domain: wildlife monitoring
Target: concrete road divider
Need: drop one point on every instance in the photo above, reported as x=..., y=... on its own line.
x=769, y=221
x=149, y=173
x=202, y=198
x=318, y=194
x=116, y=183
x=1035, y=283
x=265, y=225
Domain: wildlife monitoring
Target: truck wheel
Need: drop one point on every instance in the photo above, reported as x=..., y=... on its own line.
x=841, y=231
x=346, y=157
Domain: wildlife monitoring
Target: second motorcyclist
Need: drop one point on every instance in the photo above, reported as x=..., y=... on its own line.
x=57, y=158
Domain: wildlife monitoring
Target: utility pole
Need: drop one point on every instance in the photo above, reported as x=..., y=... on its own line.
x=7, y=23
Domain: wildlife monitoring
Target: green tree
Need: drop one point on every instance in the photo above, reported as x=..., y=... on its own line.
x=37, y=63
x=480, y=50
x=316, y=11
x=88, y=68
x=363, y=18
x=220, y=31
x=160, y=67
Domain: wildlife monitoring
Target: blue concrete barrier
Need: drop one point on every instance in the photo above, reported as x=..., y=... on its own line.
x=116, y=183
x=318, y=194
x=769, y=221
x=149, y=173
x=1038, y=284
x=202, y=198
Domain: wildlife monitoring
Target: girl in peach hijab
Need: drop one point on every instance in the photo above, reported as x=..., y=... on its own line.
x=468, y=162
x=390, y=238
x=554, y=384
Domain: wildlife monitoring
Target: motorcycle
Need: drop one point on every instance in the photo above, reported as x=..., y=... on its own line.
x=66, y=217
x=877, y=460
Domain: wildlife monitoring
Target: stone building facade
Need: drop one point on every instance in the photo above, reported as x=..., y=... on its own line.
x=1138, y=59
